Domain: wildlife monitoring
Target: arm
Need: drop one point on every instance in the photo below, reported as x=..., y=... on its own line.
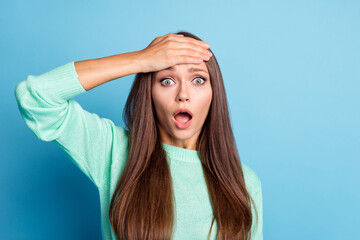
x=94, y=72
x=162, y=52
x=46, y=105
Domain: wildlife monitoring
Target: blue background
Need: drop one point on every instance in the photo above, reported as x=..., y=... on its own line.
x=291, y=71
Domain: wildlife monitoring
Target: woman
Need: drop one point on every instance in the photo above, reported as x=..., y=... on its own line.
x=174, y=172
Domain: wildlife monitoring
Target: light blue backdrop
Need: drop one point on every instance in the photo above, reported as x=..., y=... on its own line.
x=291, y=72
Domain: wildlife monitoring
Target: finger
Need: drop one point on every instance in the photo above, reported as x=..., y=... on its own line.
x=193, y=53
x=190, y=47
x=195, y=41
x=180, y=37
x=187, y=59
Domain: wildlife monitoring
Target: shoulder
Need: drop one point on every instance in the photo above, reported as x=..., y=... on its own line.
x=122, y=131
x=252, y=180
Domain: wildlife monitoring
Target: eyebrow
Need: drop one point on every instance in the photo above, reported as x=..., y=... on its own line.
x=189, y=70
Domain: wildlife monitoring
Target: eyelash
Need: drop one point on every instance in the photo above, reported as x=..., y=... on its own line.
x=204, y=80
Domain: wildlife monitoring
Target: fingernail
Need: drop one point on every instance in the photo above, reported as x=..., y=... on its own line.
x=206, y=44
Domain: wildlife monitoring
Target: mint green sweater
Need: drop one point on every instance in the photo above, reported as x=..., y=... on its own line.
x=100, y=149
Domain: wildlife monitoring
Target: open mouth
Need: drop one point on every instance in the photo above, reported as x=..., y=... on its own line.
x=183, y=117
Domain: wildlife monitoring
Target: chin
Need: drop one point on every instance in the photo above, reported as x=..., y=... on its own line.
x=182, y=136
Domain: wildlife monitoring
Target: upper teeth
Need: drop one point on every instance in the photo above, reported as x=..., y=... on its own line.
x=186, y=113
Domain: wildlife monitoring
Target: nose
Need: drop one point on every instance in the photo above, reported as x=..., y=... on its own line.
x=183, y=95
x=183, y=99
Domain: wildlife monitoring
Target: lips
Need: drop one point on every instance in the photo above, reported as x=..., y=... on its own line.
x=183, y=110
x=182, y=118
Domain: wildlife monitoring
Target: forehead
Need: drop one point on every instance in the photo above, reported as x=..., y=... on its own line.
x=185, y=68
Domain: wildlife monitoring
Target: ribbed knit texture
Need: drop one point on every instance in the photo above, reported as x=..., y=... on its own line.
x=100, y=149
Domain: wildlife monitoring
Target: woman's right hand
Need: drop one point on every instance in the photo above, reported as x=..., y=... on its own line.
x=171, y=49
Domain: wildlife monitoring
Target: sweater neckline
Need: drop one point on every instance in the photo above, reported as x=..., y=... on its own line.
x=181, y=154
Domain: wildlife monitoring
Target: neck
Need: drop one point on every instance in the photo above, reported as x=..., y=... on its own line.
x=188, y=143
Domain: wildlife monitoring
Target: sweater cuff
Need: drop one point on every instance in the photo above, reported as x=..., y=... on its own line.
x=62, y=82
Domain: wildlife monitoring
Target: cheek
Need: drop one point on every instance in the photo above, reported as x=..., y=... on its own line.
x=203, y=102
x=158, y=93
x=160, y=103
x=204, y=98
x=156, y=96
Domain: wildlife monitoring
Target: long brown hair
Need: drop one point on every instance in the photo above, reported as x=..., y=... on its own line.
x=142, y=204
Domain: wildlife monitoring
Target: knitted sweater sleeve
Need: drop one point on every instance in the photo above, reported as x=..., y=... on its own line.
x=46, y=105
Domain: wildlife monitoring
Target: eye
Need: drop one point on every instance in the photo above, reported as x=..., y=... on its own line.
x=165, y=80
x=203, y=80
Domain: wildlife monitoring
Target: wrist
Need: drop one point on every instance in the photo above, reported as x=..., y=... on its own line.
x=126, y=63
x=138, y=62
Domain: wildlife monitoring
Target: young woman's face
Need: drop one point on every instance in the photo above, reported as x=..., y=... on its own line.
x=183, y=86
